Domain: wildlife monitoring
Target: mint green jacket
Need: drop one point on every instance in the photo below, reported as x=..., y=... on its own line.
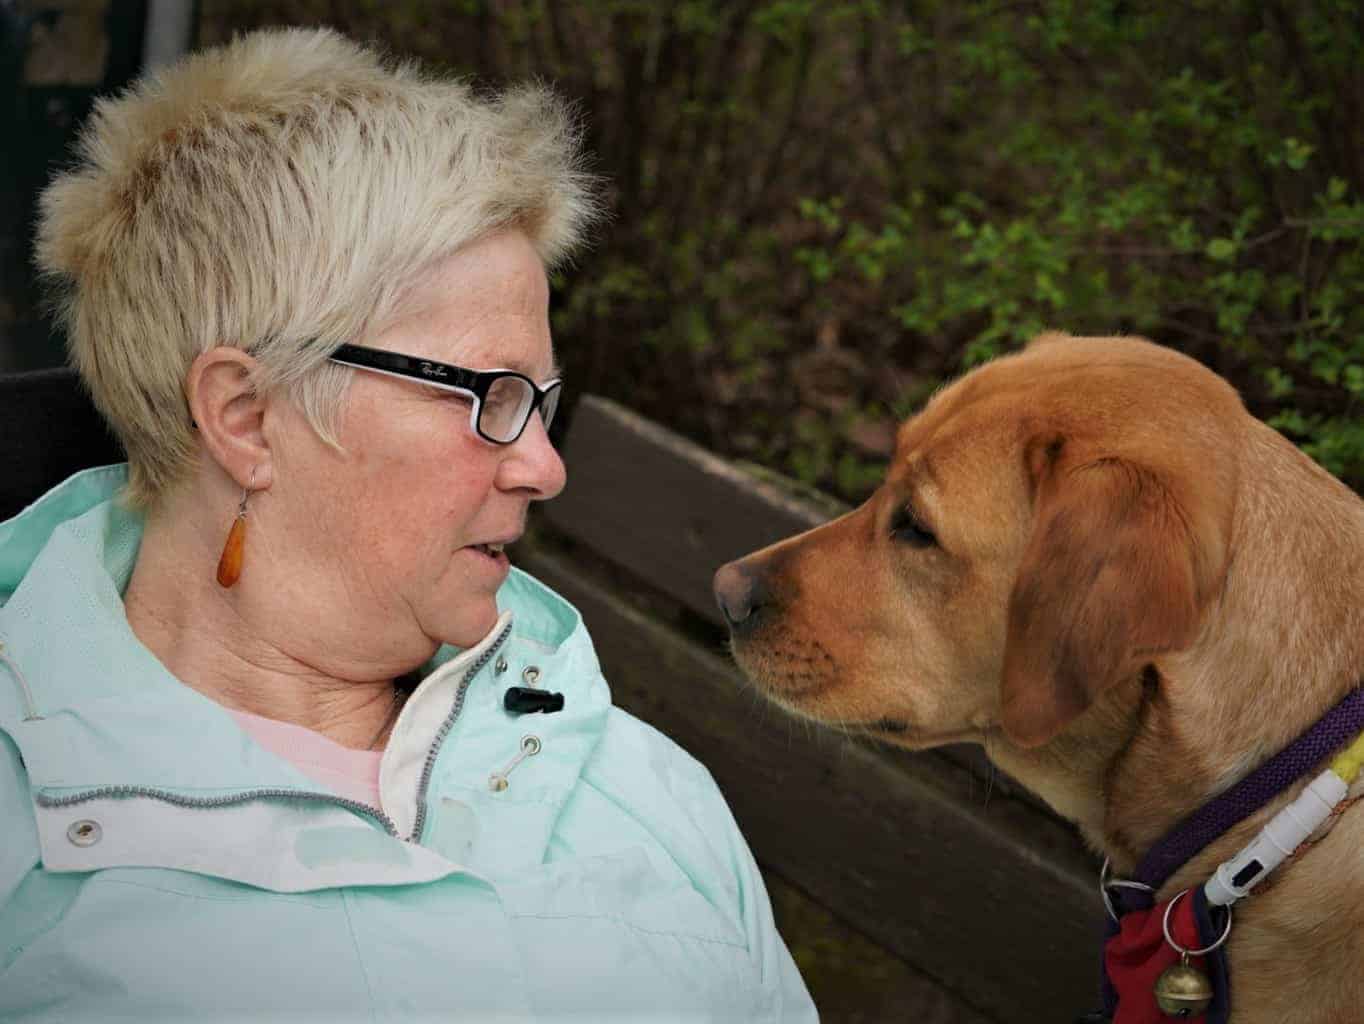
x=157, y=864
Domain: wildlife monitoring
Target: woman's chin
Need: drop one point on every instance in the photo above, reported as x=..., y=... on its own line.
x=470, y=624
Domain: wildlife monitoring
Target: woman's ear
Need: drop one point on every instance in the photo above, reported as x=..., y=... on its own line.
x=230, y=414
x=1117, y=571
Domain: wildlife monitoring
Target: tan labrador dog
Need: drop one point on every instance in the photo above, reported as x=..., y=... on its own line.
x=1089, y=558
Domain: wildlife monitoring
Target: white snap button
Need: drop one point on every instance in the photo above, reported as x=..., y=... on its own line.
x=531, y=675
x=84, y=832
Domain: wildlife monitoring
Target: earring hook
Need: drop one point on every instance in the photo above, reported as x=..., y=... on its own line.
x=246, y=491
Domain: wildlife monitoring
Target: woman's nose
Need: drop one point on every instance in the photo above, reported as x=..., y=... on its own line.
x=534, y=464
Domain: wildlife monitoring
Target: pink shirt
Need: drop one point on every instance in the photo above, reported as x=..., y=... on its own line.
x=353, y=774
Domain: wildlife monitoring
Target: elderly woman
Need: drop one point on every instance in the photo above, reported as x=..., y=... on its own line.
x=282, y=735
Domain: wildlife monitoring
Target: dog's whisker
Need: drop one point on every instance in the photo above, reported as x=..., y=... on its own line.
x=990, y=774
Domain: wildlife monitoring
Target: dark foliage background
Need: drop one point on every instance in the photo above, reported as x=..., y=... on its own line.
x=822, y=210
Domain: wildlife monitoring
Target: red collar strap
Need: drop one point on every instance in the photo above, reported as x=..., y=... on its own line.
x=1137, y=957
x=1137, y=950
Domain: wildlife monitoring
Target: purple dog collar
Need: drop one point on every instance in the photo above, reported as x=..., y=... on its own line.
x=1191, y=836
x=1186, y=840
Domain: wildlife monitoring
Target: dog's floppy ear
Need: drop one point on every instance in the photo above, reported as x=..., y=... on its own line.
x=1117, y=570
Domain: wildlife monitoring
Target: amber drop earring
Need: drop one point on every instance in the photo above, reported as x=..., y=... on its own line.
x=230, y=564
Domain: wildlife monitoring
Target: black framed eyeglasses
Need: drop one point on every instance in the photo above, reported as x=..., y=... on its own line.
x=504, y=400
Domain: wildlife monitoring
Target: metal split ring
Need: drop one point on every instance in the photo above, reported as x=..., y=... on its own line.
x=1165, y=928
x=1106, y=883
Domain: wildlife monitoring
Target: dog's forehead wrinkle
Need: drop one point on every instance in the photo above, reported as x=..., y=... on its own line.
x=922, y=479
x=942, y=448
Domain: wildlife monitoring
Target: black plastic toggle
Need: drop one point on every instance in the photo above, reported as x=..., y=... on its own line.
x=521, y=700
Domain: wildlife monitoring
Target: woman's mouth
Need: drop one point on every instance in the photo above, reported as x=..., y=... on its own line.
x=493, y=552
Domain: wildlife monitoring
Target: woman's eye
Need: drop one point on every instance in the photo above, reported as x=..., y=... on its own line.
x=908, y=529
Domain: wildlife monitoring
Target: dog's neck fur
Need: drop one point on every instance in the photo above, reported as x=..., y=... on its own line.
x=1303, y=652
x=1132, y=767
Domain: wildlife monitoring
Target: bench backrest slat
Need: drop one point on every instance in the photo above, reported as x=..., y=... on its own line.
x=666, y=509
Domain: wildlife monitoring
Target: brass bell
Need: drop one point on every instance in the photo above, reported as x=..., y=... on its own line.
x=1182, y=990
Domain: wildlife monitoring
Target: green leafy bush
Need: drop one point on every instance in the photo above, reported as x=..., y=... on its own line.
x=824, y=210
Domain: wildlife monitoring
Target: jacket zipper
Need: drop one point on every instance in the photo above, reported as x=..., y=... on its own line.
x=178, y=800
x=433, y=751
x=106, y=792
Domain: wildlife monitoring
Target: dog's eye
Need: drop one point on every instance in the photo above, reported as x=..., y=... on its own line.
x=907, y=528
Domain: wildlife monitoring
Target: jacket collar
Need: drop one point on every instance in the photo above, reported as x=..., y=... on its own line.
x=114, y=746
x=102, y=701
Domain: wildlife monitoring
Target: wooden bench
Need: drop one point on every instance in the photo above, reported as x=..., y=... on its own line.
x=946, y=866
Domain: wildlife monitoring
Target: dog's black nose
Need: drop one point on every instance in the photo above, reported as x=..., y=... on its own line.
x=739, y=591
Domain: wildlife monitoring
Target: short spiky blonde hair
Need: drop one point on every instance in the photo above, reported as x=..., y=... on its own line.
x=281, y=194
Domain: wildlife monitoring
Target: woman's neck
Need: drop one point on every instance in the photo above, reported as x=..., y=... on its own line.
x=199, y=632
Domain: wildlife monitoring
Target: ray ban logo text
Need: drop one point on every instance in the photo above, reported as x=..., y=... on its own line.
x=431, y=370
